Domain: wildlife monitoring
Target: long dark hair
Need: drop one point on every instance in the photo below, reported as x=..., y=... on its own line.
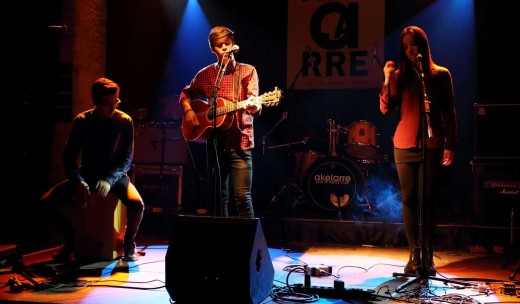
x=406, y=70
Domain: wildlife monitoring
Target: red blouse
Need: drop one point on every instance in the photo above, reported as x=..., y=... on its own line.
x=410, y=105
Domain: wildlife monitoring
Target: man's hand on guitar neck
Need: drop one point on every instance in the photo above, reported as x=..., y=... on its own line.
x=253, y=105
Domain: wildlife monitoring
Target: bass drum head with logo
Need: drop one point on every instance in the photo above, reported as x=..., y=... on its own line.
x=332, y=183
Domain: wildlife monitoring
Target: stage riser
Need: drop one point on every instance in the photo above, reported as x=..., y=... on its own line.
x=457, y=236
x=282, y=230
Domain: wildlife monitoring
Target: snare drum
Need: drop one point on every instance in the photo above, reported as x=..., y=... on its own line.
x=362, y=137
x=332, y=183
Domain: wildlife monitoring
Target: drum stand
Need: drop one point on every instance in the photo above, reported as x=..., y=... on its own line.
x=364, y=173
x=290, y=184
x=334, y=130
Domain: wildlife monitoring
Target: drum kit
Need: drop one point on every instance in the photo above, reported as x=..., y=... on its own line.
x=333, y=181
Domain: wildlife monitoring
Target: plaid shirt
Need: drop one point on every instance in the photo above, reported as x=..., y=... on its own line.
x=240, y=135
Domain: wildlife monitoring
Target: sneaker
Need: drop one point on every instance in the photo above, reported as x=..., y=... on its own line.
x=130, y=257
x=130, y=253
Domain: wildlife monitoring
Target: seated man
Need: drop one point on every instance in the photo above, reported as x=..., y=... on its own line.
x=97, y=157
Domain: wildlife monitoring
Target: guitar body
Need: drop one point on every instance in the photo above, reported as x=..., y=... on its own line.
x=224, y=115
x=204, y=115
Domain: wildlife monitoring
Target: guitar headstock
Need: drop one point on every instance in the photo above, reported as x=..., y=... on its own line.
x=271, y=98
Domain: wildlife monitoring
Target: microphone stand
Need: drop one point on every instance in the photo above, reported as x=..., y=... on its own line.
x=213, y=113
x=289, y=141
x=426, y=132
x=422, y=275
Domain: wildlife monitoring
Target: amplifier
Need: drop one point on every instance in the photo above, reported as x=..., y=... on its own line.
x=159, y=143
x=159, y=186
x=496, y=189
x=506, y=187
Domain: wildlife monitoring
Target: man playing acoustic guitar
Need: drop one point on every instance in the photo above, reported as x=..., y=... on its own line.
x=233, y=88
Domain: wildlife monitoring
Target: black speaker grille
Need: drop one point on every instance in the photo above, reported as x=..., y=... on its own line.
x=211, y=258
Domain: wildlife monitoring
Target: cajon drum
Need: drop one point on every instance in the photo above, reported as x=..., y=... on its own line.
x=100, y=228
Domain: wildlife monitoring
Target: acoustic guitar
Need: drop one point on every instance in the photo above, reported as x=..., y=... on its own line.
x=224, y=115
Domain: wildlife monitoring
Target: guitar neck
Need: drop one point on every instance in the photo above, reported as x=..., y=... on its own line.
x=231, y=107
x=268, y=99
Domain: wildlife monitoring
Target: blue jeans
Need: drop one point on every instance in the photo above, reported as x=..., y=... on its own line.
x=235, y=167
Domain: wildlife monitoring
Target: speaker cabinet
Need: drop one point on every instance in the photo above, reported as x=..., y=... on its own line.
x=212, y=259
x=160, y=186
x=496, y=190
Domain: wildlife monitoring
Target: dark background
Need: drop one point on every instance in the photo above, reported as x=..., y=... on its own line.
x=138, y=41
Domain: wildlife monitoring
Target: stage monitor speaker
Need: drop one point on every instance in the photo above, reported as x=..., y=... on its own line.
x=218, y=259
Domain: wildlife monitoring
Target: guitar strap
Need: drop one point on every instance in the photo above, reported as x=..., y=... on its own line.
x=236, y=84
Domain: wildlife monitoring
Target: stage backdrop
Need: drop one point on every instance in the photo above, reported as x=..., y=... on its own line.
x=335, y=44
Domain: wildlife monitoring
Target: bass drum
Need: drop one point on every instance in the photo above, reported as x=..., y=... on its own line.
x=332, y=183
x=302, y=161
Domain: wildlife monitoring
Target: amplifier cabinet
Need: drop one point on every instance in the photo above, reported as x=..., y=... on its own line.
x=496, y=190
x=159, y=144
x=159, y=186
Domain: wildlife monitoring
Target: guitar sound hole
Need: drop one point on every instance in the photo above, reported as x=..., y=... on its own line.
x=210, y=113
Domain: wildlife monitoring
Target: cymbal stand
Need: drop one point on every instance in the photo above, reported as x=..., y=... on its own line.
x=264, y=148
x=290, y=183
x=333, y=137
x=306, y=64
x=274, y=200
x=333, y=140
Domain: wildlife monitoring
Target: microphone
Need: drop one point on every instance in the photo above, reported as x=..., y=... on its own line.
x=234, y=49
x=419, y=60
x=263, y=146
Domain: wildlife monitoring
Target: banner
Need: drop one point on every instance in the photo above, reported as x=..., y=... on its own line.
x=335, y=44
